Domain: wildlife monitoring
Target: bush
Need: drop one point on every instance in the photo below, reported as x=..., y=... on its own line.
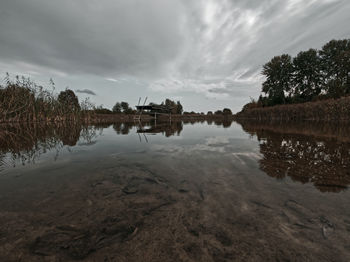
x=227, y=111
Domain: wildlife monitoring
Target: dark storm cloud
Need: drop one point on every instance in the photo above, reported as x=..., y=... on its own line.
x=86, y=91
x=207, y=47
x=95, y=37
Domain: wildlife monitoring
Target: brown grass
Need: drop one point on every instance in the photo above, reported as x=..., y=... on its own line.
x=327, y=110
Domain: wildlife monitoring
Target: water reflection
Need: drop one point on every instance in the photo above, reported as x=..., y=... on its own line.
x=123, y=128
x=168, y=128
x=195, y=187
x=305, y=152
x=25, y=143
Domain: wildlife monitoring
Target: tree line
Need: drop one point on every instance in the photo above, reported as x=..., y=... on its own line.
x=124, y=108
x=23, y=100
x=118, y=108
x=310, y=75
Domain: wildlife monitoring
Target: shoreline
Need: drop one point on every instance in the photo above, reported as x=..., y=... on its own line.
x=330, y=110
x=106, y=118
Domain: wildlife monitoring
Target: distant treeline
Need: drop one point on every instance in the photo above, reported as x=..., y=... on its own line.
x=175, y=106
x=311, y=75
x=123, y=107
x=22, y=100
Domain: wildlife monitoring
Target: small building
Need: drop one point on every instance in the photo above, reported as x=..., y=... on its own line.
x=154, y=109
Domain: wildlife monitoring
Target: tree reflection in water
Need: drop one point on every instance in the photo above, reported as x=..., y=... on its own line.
x=166, y=128
x=172, y=128
x=25, y=143
x=305, y=152
x=123, y=128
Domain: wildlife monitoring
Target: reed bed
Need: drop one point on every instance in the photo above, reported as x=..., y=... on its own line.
x=326, y=110
x=22, y=100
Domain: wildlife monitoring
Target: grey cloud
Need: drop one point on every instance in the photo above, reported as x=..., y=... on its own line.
x=236, y=89
x=86, y=91
x=133, y=37
x=202, y=47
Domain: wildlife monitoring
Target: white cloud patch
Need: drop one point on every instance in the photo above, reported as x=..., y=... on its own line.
x=112, y=79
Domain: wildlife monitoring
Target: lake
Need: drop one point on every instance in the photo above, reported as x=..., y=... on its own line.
x=175, y=191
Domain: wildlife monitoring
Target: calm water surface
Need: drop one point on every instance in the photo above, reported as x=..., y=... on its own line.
x=205, y=191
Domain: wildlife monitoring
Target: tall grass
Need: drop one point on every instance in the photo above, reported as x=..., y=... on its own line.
x=23, y=100
x=326, y=110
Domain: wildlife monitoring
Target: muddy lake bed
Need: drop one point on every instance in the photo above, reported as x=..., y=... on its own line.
x=175, y=191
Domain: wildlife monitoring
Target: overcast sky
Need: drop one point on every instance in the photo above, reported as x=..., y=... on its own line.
x=207, y=54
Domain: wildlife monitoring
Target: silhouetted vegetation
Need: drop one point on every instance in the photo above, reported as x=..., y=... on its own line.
x=126, y=109
x=23, y=100
x=117, y=108
x=102, y=110
x=328, y=110
x=175, y=107
x=311, y=75
x=69, y=101
x=227, y=112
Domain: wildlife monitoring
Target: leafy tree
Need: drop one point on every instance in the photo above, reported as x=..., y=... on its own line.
x=125, y=107
x=307, y=78
x=179, y=108
x=278, y=74
x=335, y=57
x=171, y=105
x=310, y=75
x=69, y=101
x=101, y=110
x=174, y=107
x=227, y=111
x=335, y=88
x=117, y=108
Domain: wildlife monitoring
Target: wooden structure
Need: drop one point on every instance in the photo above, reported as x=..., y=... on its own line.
x=152, y=110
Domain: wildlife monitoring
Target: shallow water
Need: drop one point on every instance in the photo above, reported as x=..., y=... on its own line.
x=205, y=191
